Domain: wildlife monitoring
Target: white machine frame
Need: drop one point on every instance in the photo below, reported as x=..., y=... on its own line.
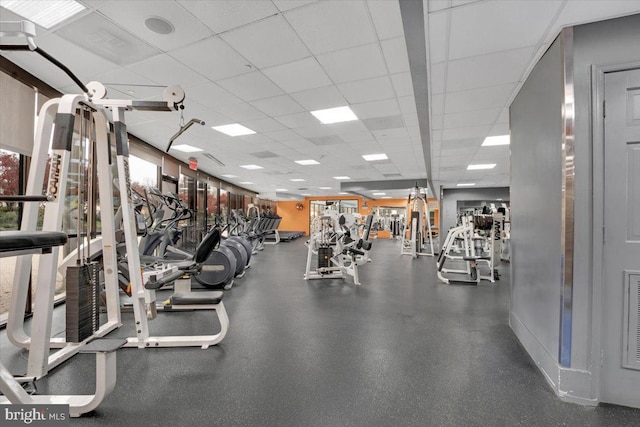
x=417, y=221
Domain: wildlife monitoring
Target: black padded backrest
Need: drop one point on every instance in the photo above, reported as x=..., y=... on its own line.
x=367, y=227
x=207, y=245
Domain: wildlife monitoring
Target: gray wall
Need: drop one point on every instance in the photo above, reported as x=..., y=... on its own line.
x=536, y=192
x=451, y=196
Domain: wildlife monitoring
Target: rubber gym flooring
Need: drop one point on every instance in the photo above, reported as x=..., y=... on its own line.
x=403, y=349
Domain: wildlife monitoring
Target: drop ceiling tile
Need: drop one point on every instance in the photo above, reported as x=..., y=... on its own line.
x=283, y=135
x=284, y=5
x=407, y=104
x=328, y=26
x=354, y=64
x=278, y=106
x=256, y=138
x=320, y=98
x=367, y=90
x=390, y=134
x=488, y=70
x=504, y=116
x=367, y=110
x=268, y=42
x=465, y=133
x=100, y=37
x=386, y=18
x=313, y=131
x=211, y=118
x=293, y=121
x=582, y=11
x=395, y=53
x=121, y=81
x=326, y=140
x=211, y=95
x=241, y=112
x=471, y=118
x=513, y=25
x=402, y=84
x=437, y=121
x=263, y=125
x=132, y=15
x=436, y=5
x=251, y=87
x=499, y=129
x=224, y=15
x=438, y=36
x=438, y=78
x=213, y=58
x=478, y=99
x=299, y=75
x=165, y=70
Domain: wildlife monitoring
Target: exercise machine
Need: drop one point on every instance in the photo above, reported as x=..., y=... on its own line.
x=417, y=238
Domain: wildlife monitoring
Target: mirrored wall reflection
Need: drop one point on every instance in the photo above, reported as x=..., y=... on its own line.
x=187, y=194
x=224, y=205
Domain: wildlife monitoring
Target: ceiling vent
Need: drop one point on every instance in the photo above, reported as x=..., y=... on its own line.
x=159, y=25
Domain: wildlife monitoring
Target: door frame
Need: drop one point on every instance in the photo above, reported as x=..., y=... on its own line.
x=597, y=177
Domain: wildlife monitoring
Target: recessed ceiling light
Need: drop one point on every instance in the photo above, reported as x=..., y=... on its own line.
x=230, y=176
x=306, y=194
x=246, y=183
x=281, y=189
x=234, y=129
x=343, y=193
x=374, y=157
x=466, y=184
x=251, y=167
x=297, y=180
x=387, y=197
x=341, y=177
x=335, y=115
x=481, y=166
x=307, y=162
x=325, y=188
x=186, y=148
x=496, y=140
x=159, y=25
x=379, y=194
x=44, y=13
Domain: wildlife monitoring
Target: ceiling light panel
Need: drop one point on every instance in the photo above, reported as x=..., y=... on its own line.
x=46, y=14
x=186, y=148
x=466, y=184
x=379, y=194
x=246, y=183
x=325, y=188
x=234, y=129
x=496, y=140
x=281, y=189
x=297, y=180
x=374, y=157
x=341, y=177
x=307, y=162
x=335, y=115
x=251, y=167
x=481, y=166
x=230, y=176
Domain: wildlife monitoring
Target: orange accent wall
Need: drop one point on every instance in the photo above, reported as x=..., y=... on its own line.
x=294, y=219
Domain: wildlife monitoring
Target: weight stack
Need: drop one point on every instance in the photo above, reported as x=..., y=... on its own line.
x=83, y=302
x=324, y=256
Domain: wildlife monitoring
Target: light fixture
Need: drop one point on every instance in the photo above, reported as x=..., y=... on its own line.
x=379, y=194
x=496, y=140
x=335, y=115
x=341, y=177
x=230, y=176
x=374, y=157
x=251, y=167
x=234, y=129
x=466, y=184
x=44, y=13
x=481, y=166
x=325, y=188
x=306, y=194
x=307, y=162
x=186, y=148
x=296, y=180
x=281, y=189
x=342, y=193
x=387, y=197
x=246, y=183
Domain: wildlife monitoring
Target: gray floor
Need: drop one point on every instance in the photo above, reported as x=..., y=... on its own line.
x=402, y=349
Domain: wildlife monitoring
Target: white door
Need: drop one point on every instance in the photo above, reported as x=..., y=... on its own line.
x=620, y=381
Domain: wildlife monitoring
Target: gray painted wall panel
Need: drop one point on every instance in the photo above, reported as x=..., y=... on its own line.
x=536, y=193
x=615, y=41
x=451, y=196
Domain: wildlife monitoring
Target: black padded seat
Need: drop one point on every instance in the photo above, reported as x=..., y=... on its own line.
x=196, y=298
x=475, y=258
x=16, y=240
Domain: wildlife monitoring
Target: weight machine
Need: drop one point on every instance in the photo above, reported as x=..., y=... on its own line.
x=416, y=234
